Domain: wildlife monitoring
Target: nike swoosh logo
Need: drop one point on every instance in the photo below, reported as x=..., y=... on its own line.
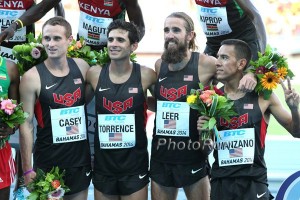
x=48, y=87
x=161, y=79
x=142, y=176
x=194, y=172
x=87, y=173
x=101, y=90
x=260, y=195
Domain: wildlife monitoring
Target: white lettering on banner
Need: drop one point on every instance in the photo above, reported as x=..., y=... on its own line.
x=212, y=2
x=94, y=9
x=11, y=4
x=69, y=111
x=94, y=20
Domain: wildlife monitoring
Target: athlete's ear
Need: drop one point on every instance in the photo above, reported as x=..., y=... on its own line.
x=134, y=46
x=70, y=38
x=191, y=35
x=242, y=64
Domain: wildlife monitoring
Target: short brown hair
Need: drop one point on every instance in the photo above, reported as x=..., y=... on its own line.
x=59, y=21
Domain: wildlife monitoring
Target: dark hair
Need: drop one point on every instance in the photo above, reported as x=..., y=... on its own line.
x=133, y=31
x=189, y=26
x=61, y=22
x=241, y=49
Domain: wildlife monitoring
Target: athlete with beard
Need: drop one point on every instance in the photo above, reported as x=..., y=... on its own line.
x=121, y=155
x=177, y=159
x=239, y=171
x=55, y=92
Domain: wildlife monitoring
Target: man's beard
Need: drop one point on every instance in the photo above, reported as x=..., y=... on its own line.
x=174, y=55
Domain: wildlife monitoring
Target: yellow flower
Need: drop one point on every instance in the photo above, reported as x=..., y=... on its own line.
x=71, y=48
x=282, y=72
x=191, y=99
x=269, y=81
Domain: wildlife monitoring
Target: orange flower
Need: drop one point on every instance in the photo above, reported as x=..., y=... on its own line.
x=269, y=81
x=206, y=96
x=282, y=72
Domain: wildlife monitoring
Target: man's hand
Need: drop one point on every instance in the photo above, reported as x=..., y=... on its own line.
x=8, y=33
x=247, y=83
x=200, y=123
x=291, y=97
x=5, y=130
x=28, y=178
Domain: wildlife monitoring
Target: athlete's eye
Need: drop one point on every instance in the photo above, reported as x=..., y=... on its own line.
x=120, y=39
x=46, y=38
x=166, y=30
x=176, y=30
x=110, y=39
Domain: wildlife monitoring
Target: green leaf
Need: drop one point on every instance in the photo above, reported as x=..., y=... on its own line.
x=213, y=106
x=212, y=122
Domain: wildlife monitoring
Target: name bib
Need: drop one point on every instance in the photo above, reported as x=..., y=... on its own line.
x=7, y=18
x=93, y=29
x=7, y=53
x=68, y=124
x=172, y=119
x=213, y=20
x=236, y=147
x=116, y=131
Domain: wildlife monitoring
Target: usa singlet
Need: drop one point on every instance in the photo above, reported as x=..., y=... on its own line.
x=175, y=135
x=60, y=114
x=239, y=152
x=121, y=141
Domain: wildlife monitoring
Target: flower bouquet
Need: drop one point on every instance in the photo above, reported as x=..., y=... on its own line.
x=270, y=68
x=103, y=57
x=79, y=49
x=29, y=54
x=211, y=102
x=11, y=114
x=47, y=186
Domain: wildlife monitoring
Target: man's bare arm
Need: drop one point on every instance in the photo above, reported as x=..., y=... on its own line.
x=135, y=14
x=32, y=15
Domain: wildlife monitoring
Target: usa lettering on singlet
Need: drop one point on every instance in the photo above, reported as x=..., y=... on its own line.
x=236, y=147
x=172, y=119
x=116, y=131
x=214, y=20
x=68, y=124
